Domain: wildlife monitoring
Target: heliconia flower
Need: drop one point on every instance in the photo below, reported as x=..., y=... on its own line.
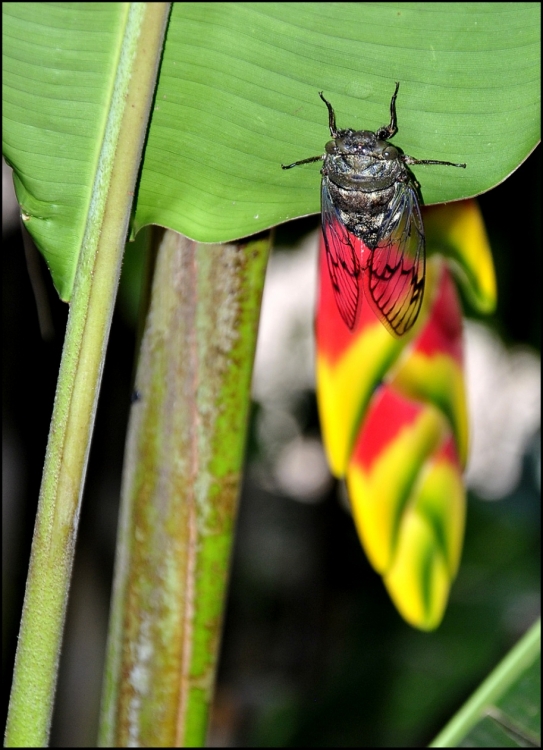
x=394, y=417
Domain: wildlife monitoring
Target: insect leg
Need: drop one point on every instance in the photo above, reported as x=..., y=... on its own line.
x=303, y=161
x=410, y=160
x=387, y=131
x=331, y=117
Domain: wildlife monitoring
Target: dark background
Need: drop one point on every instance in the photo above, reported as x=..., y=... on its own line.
x=314, y=653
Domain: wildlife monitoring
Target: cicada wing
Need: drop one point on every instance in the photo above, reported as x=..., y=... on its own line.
x=343, y=255
x=394, y=282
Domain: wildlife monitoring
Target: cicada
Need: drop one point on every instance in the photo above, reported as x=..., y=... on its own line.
x=372, y=224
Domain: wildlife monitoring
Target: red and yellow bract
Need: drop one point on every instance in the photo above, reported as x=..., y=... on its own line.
x=394, y=417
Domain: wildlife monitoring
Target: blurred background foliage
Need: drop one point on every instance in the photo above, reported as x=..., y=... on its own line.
x=313, y=652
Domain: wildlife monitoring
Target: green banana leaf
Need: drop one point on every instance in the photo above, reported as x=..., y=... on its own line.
x=237, y=96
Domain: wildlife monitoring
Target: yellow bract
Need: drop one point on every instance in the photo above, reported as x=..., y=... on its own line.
x=429, y=547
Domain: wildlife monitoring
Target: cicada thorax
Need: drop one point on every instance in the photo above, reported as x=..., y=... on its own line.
x=362, y=184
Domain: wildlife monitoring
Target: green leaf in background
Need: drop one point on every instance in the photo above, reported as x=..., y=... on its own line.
x=505, y=711
x=238, y=95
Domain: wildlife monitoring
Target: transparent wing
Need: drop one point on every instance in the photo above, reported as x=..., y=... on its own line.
x=343, y=255
x=394, y=282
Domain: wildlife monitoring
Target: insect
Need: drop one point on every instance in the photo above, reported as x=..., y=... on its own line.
x=371, y=222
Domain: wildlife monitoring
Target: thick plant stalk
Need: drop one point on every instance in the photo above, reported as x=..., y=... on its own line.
x=180, y=488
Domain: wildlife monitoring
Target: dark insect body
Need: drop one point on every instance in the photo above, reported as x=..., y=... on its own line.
x=371, y=222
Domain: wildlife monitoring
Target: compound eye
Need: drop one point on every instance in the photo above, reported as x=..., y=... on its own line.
x=390, y=153
x=331, y=147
